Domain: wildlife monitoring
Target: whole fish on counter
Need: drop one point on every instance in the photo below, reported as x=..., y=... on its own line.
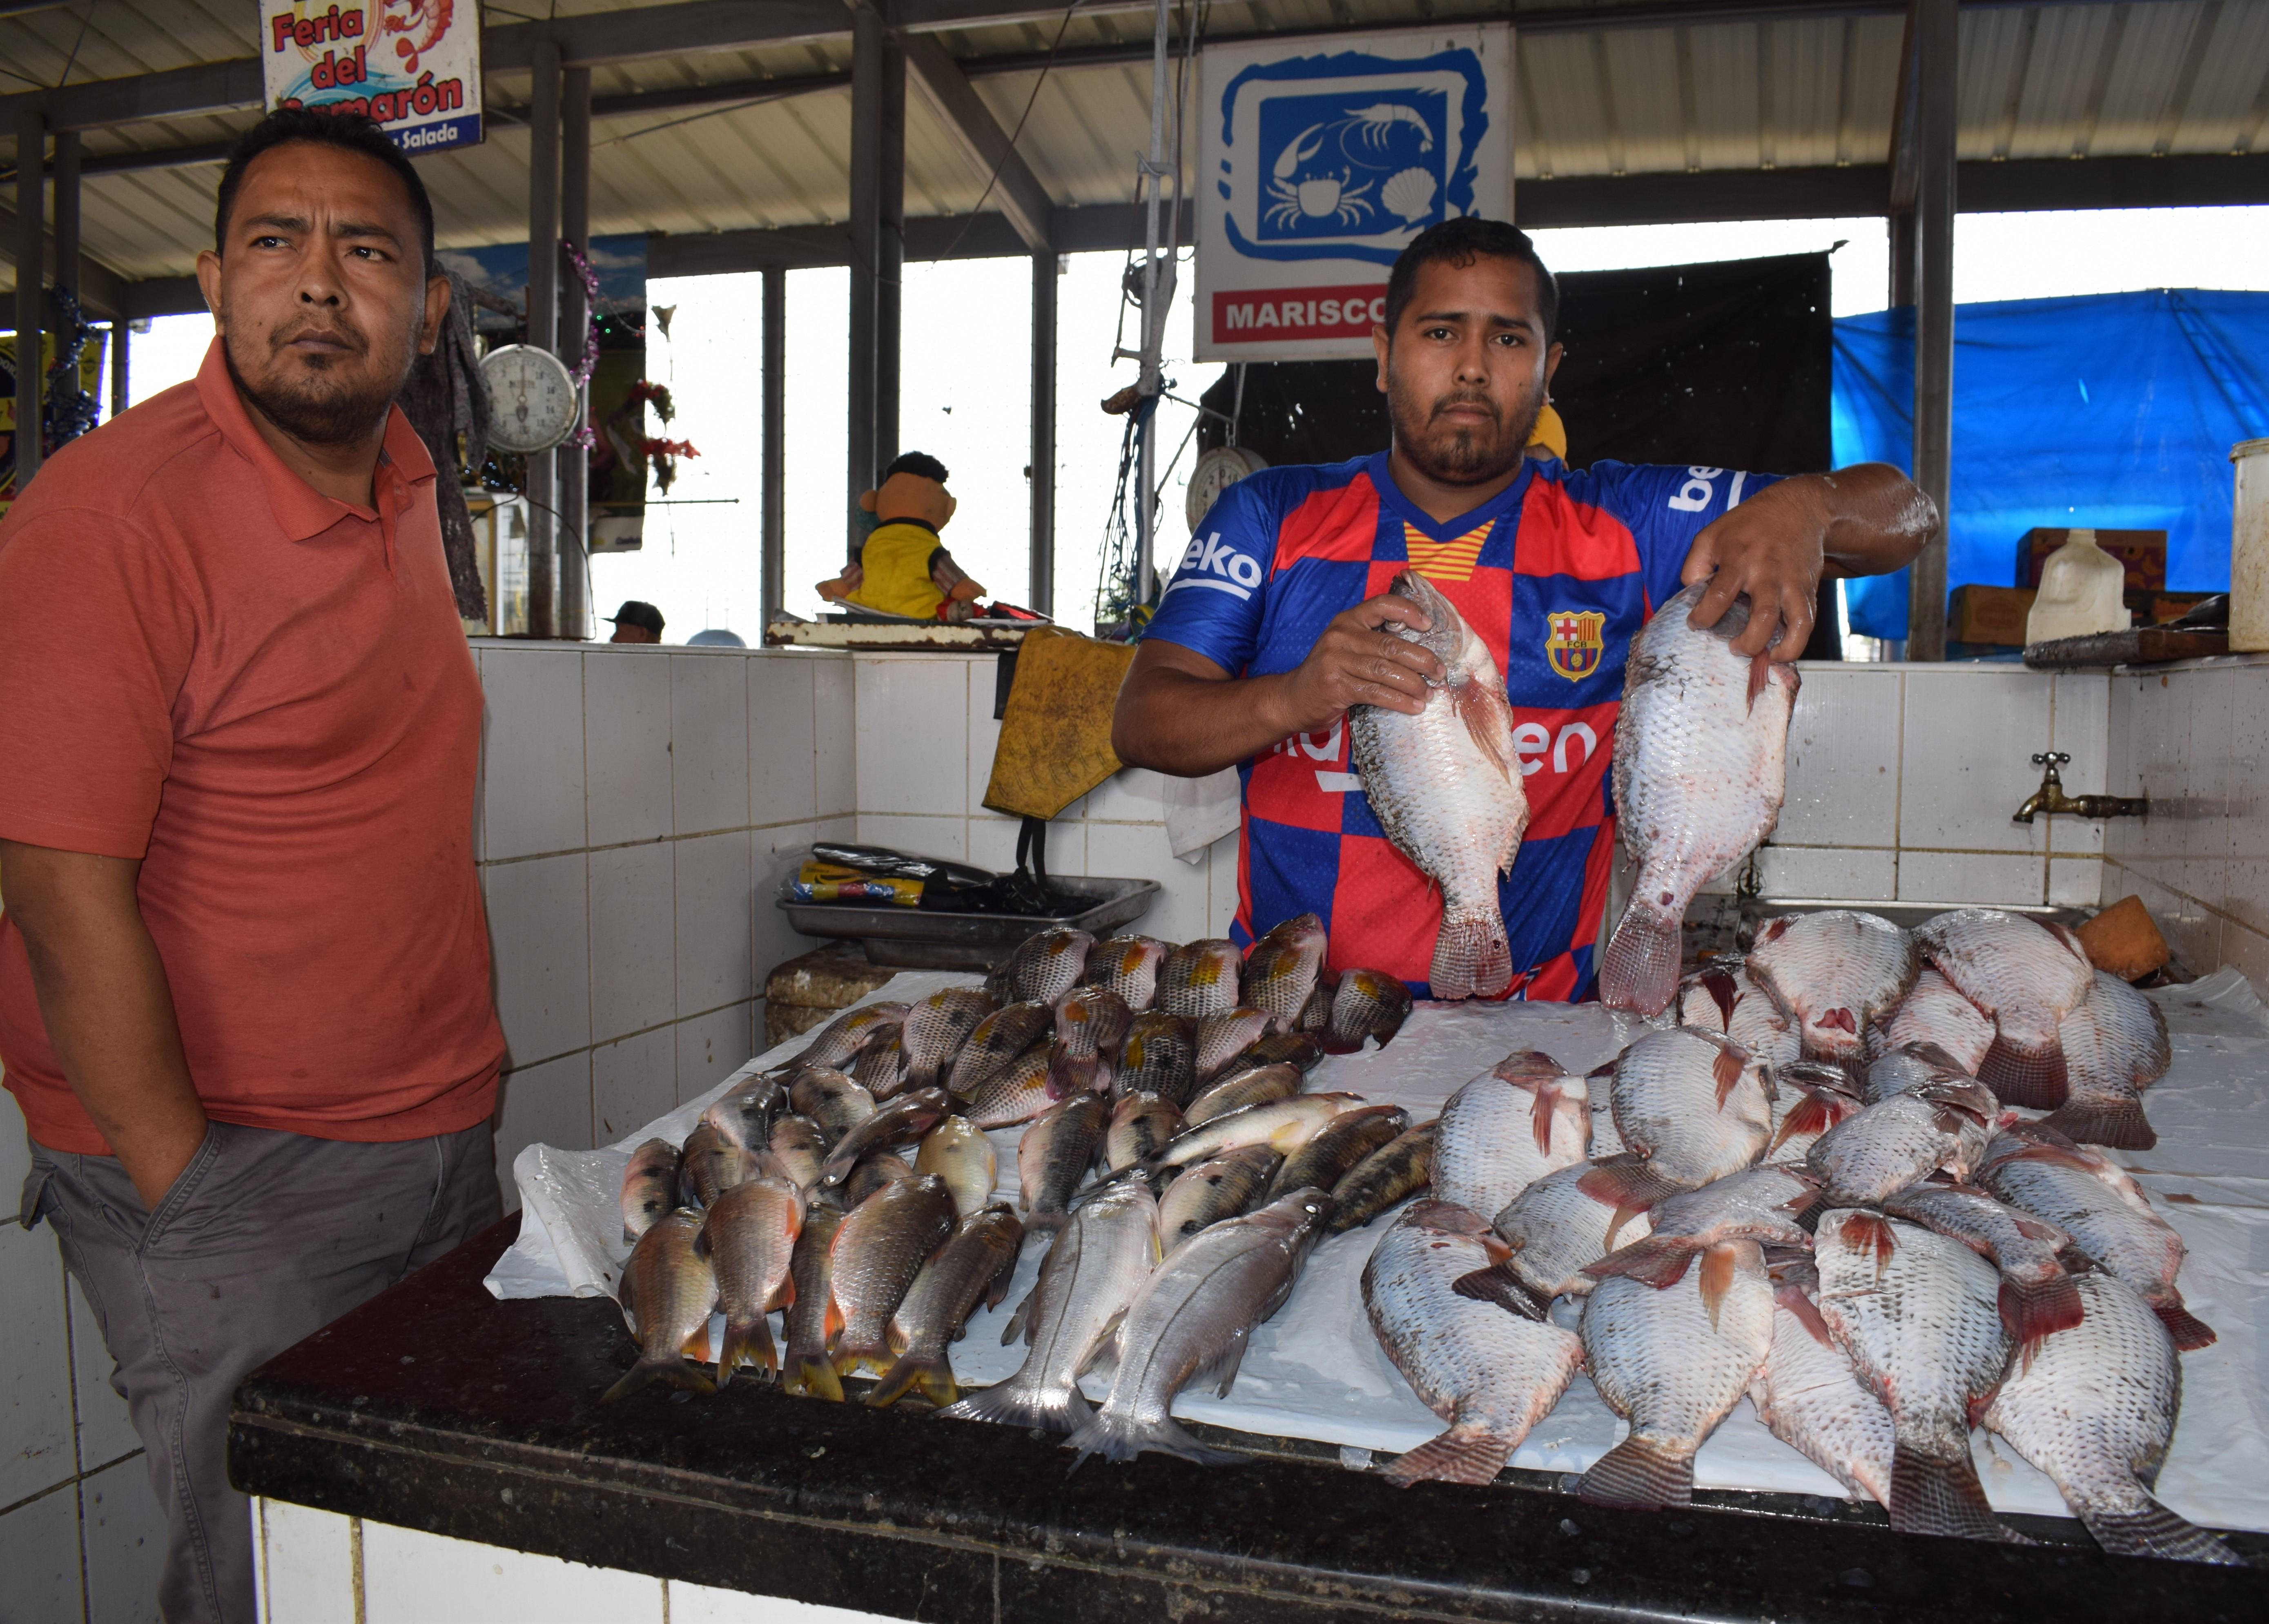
x=1884, y=1148
x=877, y=1253
x=649, y=1186
x=1191, y=1320
x=1223, y=1037
x=1692, y=1105
x=1285, y=967
x=2038, y=1297
x=1507, y=1128
x=1446, y=786
x=936, y=1028
x=1284, y=1049
x=1834, y=972
x=1365, y=1004
x=973, y=1266
x=997, y=1042
x=1054, y=1156
x=1017, y=1094
x=2027, y=975
x=1159, y=1056
x=712, y=1165
x=1284, y=1125
x=1240, y=1090
x=958, y=1151
x=1210, y=1191
x=801, y=1145
x=804, y=1367
x=830, y=1099
x=1808, y=1100
x=744, y=1113
x=1554, y=1227
x=881, y=1067
x=2115, y=1047
x=1722, y=998
x=1810, y=1397
x=877, y=1168
x=1198, y=978
x=1934, y=1012
x=1767, y=1205
x=1490, y=1374
x=903, y=1121
x=1333, y=1153
x=668, y=1290
x=748, y=1237
x=1128, y=967
x=1700, y=768
x=1098, y=1262
x=1091, y=1024
x=1043, y=968
x=1908, y=1067
x=1141, y=1125
x=1395, y=1171
x=850, y=1032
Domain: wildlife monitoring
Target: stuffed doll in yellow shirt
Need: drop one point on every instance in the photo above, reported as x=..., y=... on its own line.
x=903, y=569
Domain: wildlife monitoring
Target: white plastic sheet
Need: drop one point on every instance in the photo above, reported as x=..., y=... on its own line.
x=1315, y=1371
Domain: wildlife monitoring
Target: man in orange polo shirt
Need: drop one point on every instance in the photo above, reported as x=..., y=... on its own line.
x=244, y=971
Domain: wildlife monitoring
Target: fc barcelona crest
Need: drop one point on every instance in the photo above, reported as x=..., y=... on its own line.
x=1576, y=640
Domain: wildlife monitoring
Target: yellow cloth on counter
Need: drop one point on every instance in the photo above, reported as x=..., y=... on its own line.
x=896, y=562
x=1056, y=732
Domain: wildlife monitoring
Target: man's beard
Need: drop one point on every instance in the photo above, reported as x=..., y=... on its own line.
x=327, y=408
x=1460, y=456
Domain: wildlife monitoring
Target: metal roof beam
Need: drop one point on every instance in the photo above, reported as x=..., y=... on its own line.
x=101, y=289
x=1015, y=189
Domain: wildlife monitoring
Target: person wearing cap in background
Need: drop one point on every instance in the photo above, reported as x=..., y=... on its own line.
x=636, y=623
x=903, y=568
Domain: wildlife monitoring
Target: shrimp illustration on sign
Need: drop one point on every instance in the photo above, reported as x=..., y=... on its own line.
x=1334, y=174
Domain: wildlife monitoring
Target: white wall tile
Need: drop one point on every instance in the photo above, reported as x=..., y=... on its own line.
x=105, y=1429
x=1844, y=760
x=709, y=742
x=2247, y=952
x=697, y=1604
x=35, y=1425
x=533, y=739
x=125, y=1535
x=305, y=1564
x=2193, y=934
x=912, y=732
x=633, y=938
x=713, y=899
x=1130, y=795
x=783, y=766
x=984, y=732
x=417, y=1578
x=546, y=1105
x=1972, y=878
x=835, y=728
x=2076, y=882
x=993, y=841
x=1179, y=912
x=2081, y=729
x=778, y=852
x=923, y=837
x=1969, y=735
x=39, y=1558
x=1839, y=874
x=2160, y=742
x=711, y=1047
x=626, y=742
x=632, y=1081
x=2247, y=898
x=539, y=935
x=2209, y=786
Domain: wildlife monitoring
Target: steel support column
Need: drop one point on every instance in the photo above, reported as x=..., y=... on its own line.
x=1935, y=31
x=1042, y=591
x=31, y=252
x=1902, y=289
x=575, y=459
x=122, y=350
x=543, y=330
x=772, y=568
x=868, y=71
x=891, y=261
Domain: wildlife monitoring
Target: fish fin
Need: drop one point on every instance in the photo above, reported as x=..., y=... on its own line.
x=1220, y=1371
x=1464, y=1454
x=1806, y=1313
x=830, y=1323
x=1488, y=716
x=1009, y=1404
x=1717, y=1270
x=1640, y=973
x=2034, y=1078
x=1932, y=1497
x=2034, y=1309
x=746, y=1343
x=2190, y=1332
x=1117, y=1438
x=933, y=1377
x=1626, y=1183
x=1498, y=1284
x=2151, y=1530
x=2117, y=1122
x=813, y=1377
x=1659, y=1261
x=1809, y=1115
x=673, y=1371
x=1539, y=1116
x=1107, y=1342
x=1472, y=956
x=1727, y=1070
x=1722, y=992
x=849, y=1358
x=1863, y=1230
x=1639, y=1473
x=1759, y=678
x=1020, y=1322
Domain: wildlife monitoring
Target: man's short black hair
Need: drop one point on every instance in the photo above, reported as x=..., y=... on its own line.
x=350, y=132
x=920, y=464
x=1460, y=241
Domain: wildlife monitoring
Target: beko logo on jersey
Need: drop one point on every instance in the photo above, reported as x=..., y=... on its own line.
x=1695, y=494
x=1208, y=562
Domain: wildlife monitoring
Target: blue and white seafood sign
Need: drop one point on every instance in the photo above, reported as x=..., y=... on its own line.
x=1316, y=169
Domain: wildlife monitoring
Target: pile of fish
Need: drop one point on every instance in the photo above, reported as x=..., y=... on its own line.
x=1167, y=1143
x=1822, y=1198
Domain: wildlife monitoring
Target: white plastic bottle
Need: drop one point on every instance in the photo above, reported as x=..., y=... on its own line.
x=2080, y=592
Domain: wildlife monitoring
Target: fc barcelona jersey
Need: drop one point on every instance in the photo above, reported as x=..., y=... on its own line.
x=1556, y=574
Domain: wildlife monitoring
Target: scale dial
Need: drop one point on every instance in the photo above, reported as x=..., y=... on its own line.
x=533, y=402
x=1216, y=472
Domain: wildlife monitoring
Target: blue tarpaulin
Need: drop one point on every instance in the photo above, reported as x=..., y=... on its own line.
x=2114, y=411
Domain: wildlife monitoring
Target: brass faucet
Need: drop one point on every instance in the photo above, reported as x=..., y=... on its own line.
x=2050, y=797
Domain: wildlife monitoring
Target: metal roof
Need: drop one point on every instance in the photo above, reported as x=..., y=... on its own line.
x=1690, y=90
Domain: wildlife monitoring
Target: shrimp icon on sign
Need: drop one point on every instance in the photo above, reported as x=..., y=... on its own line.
x=1352, y=163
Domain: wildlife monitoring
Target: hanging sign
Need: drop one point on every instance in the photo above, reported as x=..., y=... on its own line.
x=1315, y=168
x=413, y=65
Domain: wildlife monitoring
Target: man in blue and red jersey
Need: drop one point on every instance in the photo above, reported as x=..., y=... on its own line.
x=1278, y=618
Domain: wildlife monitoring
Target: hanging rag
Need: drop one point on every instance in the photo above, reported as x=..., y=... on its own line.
x=1056, y=731
x=444, y=398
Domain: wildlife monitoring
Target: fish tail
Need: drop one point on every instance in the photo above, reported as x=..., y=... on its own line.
x=1639, y=1472
x=750, y=1343
x=1498, y=1284
x=1069, y=1074
x=1659, y=1261
x=851, y=1357
x=1472, y=956
x=809, y=1375
x=2035, y=1309
x=2035, y=1078
x=919, y=1074
x=1466, y=1453
x=1930, y=1495
x=2118, y=1122
x=1012, y=1403
x=1640, y=973
x=932, y=1375
x=2147, y=1528
x=671, y=1370
x=2190, y=1332
x=1119, y=1437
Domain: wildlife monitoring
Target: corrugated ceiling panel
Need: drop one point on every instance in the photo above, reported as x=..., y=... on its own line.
x=2230, y=83
x=1641, y=66
x=2065, y=54
x=1808, y=90
x=1726, y=96
x=1563, y=105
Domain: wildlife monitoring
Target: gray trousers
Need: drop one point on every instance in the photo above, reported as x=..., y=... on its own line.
x=264, y=1239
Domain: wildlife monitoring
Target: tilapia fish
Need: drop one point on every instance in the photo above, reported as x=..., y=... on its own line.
x=1284, y=1049
x=996, y=1042
x=1090, y=1275
x=1673, y=1363
x=1555, y=1228
x=1810, y=1397
x=806, y=1326
x=1141, y=1126
x=1918, y=1313
x=1283, y=967
x=958, y=1151
x=1091, y=1024
x=1191, y=1320
x=1284, y=1125
x=1724, y=999
x=1692, y=1105
x=850, y=1032
x=2027, y=975
x=901, y=1122
x=744, y=1112
x=829, y=1099
x=649, y=1186
x=1768, y=1205
x=1332, y=1153
x=1054, y=1154
x=750, y=1237
x=667, y=1291
x=937, y=1029
x=2115, y=1047
x=800, y=1144
x=877, y=1253
x=1446, y=786
x=1198, y=978
x=1017, y=1094
x=1219, y=1188
x=1700, y=768
x=1127, y=966
x=1223, y=1037
x=1365, y=1004
x=1933, y=1012
x=1240, y=1090
x=874, y=1170
x=1908, y=1068
x=1043, y=968
x=972, y=1267
x=2093, y=1199
x=881, y=1067
x=1507, y=1128
x=2096, y=1411
x=1490, y=1374
x=2037, y=1297
x=1904, y=1140
x=712, y=1164
x=1834, y=972
x=1808, y=1100
x=1159, y=1056
x=1395, y=1171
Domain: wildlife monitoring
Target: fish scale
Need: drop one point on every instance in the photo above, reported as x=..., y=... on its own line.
x=2115, y=1047
x=1128, y=966
x=1933, y=1011
x=1692, y=1104
x=1810, y=1397
x=1554, y=1228
x=2027, y=975
x=1198, y=978
x=1507, y=1128
x=1833, y=972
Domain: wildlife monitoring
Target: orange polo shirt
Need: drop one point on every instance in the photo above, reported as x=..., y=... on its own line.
x=265, y=695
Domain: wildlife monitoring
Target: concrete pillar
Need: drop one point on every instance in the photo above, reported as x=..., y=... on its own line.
x=1041, y=594
x=544, y=329
x=574, y=460
x=867, y=73
x=1936, y=28
x=31, y=254
x=773, y=571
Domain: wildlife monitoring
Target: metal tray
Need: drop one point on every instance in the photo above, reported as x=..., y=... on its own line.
x=915, y=938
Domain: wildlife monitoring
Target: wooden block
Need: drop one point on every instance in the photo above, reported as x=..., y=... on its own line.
x=2125, y=940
